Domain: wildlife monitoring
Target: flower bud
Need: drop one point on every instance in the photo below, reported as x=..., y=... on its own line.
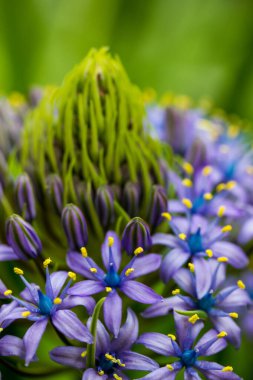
x=158, y=205
x=55, y=191
x=23, y=239
x=131, y=198
x=75, y=227
x=104, y=205
x=136, y=234
x=25, y=197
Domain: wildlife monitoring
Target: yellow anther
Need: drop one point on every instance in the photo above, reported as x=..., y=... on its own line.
x=47, y=262
x=166, y=215
x=129, y=271
x=171, y=336
x=193, y=319
x=249, y=170
x=191, y=267
x=26, y=314
x=84, y=354
x=138, y=251
x=111, y=358
x=230, y=185
x=241, y=284
x=187, y=202
x=18, y=271
x=227, y=228
x=7, y=292
x=220, y=187
x=170, y=367
x=233, y=131
x=234, y=315
x=207, y=170
x=222, y=259
x=209, y=252
x=120, y=364
x=187, y=182
x=93, y=270
x=57, y=301
x=84, y=252
x=175, y=292
x=108, y=289
x=117, y=377
x=1, y=329
x=72, y=275
x=110, y=241
x=227, y=369
x=208, y=196
x=101, y=372
x=182, y=236
x=222, y=334
x=221, y=211
x=188, y=167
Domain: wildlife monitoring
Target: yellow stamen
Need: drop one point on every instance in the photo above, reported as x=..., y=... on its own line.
x=57, y=301
x=222, y=259
x=208, y=196
x=83, y=354
x=93, y=270
x=110, y=241
x=249, y=170
x=1, y=329
x=222, y=334
x=233, y=131
x=227, y=228
x=120, y=364
x=193, y=319
x=129, y=271
x=209, y=252
x=221, y=211
x=191, y=267
x=170, y=367
x=207, y=170
x=72, y=275
x=7, y=292
x=117, y=377
x=175, y=292
x=234, y=315
x=47, y=262
x=26, y=314
x=187, y=182
x=220, y=187
x=227, y=369
x=187, y=202
x=171, y=336
x=108, y=289
x=182, y=236
x=166, y=215
x=241, y=284
x=84, y=252
x=18, y=271
x=138, y=251
x=230, y=185
x=188, y=168
x=111, y=358
x=101, y=372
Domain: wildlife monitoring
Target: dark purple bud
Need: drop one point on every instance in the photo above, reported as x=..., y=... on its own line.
x=104, y=203
x=197, y=155
x=23, y=239
x=136, y=235
x=55, y=192
x=131, y=198
x=75, y=227
x=158, y=205
x=25, y=197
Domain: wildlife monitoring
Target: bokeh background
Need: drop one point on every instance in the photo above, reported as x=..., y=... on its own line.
x=193, y=47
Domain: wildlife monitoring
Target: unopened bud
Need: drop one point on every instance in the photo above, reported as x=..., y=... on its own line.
x=75, y=227
x=104, y=205
x=55, y=191
x=131, y=198
x=25, y=197
x=158, y=205
x=136, y=234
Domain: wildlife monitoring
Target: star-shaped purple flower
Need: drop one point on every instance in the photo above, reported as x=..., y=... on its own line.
x=111, y=280
x=113, y=355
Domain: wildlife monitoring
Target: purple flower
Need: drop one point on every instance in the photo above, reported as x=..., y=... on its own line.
x=53, y=306
x=203, y=285
x=13, y=346
x=113, y=355
x=195, y=238
x=183, y=346
x=111, y=280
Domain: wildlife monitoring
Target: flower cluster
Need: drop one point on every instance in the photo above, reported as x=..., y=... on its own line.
x=101, y=232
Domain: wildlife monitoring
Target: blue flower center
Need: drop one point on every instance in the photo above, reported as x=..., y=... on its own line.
x=45, y=304
x=197, y=204
x=206, y=303
x=188, y=358
x=195, y=242
x=112, y=278
x=106, y=365
x=230, y=171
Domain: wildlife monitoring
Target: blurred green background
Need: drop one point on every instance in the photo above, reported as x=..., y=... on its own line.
x=194, y=47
